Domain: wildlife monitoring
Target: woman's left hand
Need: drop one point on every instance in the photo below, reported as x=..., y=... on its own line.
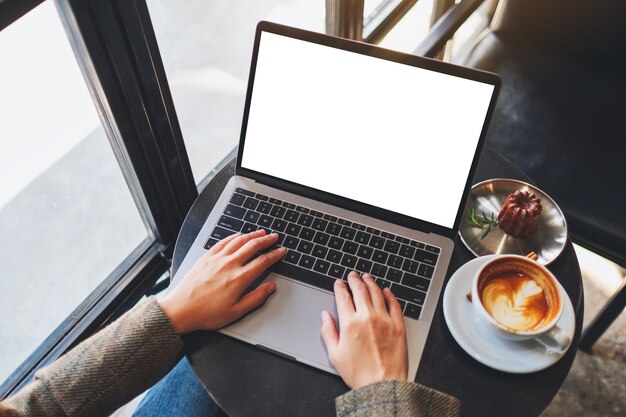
x=211, y=295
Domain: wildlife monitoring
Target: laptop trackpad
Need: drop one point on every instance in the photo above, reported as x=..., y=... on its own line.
x=289, y=322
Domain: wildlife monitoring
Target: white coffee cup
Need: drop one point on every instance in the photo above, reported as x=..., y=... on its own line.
x=520, y=300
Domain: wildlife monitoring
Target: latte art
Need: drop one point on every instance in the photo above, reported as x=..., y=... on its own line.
x=515, y=301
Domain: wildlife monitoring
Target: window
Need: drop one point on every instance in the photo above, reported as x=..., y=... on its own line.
x=94, y=180
x=409, y=30
x=67, y=218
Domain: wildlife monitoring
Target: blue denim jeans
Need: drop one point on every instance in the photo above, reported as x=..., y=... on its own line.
x=179, y=393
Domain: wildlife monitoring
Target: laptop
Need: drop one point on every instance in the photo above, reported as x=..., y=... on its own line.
x=360, y=158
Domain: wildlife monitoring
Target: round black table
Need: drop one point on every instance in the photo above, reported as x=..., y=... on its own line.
x=246, y=381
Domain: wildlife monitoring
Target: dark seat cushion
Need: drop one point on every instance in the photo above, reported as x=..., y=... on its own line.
x=588, y=31
x=563, y=121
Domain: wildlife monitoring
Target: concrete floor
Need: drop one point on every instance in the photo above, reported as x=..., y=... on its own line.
x=596, y=384
x=61, y=237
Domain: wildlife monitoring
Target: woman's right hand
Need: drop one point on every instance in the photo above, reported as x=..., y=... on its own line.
x=371, y=345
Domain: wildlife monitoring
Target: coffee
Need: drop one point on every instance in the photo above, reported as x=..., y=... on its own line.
x=517, y=295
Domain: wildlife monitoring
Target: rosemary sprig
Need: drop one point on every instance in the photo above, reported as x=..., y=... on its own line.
x=482, y=222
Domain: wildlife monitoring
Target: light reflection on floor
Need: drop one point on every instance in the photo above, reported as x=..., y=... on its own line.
x=605, y=275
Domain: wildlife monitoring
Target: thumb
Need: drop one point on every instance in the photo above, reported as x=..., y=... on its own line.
x=329, y=331
x=254, y=298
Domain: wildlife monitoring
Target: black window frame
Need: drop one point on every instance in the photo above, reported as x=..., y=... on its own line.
x=116, y=48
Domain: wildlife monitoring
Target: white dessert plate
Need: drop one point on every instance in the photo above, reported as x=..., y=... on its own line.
x=478, y=339
x=488, y=197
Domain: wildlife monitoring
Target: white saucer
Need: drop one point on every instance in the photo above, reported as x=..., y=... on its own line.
x=479, y=341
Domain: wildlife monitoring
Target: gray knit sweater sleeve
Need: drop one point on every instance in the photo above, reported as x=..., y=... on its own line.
x=396, y=399
x=105, y=371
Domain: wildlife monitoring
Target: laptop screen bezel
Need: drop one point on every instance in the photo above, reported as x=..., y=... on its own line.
x=377, y=52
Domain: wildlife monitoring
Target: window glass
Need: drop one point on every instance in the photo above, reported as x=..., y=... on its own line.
x=67, y=218
x=411, y=29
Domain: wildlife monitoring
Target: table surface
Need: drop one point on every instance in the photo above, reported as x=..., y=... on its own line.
x=246, y=381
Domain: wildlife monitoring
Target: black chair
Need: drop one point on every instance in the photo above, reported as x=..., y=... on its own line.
x=561, y=114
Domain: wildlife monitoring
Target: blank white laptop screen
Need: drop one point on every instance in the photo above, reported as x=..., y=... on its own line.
x=383, y=133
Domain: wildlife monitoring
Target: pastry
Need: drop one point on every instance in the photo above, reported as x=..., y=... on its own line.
x=519, y=215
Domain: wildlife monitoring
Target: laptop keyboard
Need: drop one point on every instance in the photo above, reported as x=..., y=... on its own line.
x=322, y=248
